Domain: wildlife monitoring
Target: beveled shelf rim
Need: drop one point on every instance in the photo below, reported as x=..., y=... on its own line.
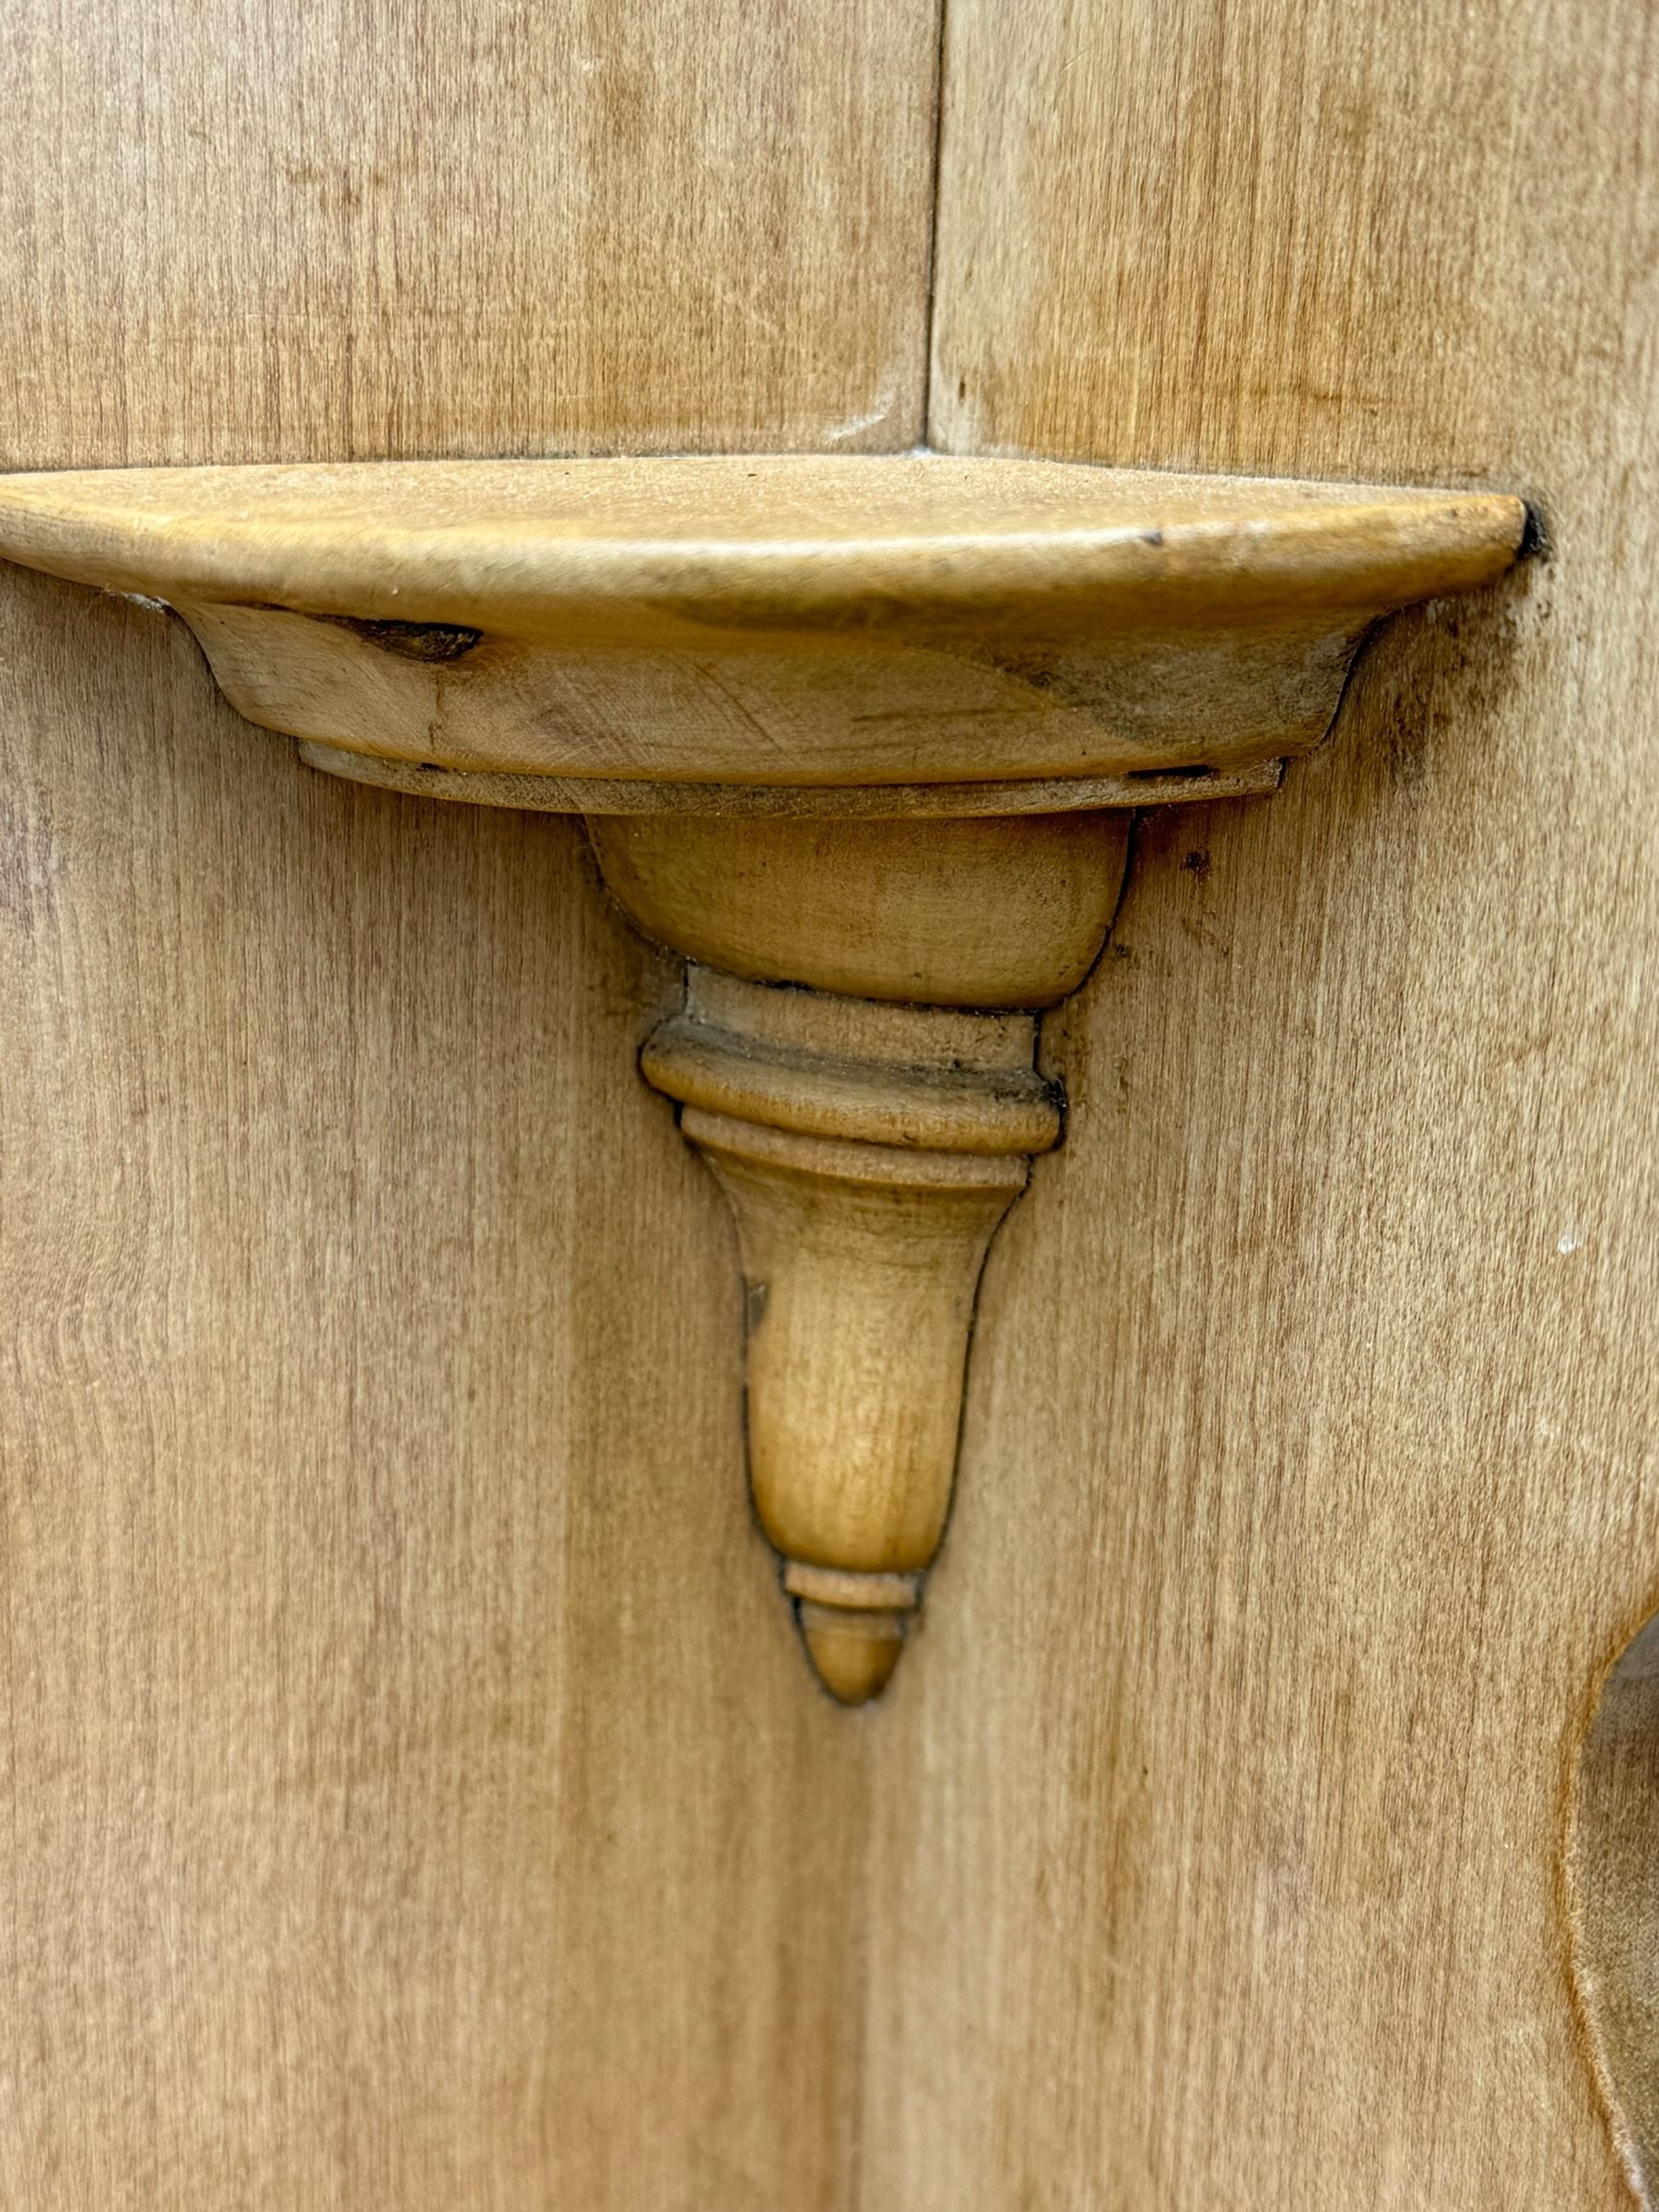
x=779, y=542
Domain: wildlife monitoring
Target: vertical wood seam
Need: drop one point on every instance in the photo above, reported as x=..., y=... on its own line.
x=934, y=200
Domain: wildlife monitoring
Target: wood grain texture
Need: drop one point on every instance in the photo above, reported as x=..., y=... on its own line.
x=1326, y=240
x=1317, y=1368
x=410, y=1804
x=407, y=1807
x=247, y=232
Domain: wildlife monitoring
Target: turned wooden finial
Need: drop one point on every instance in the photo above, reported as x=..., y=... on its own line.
x=869, y=1147
x=858, y=738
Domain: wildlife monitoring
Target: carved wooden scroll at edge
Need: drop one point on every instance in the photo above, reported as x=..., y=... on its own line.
x=1611, y=1884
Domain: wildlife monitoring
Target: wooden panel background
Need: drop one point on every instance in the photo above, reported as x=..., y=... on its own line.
x=231, y=230
x=1310, y=1479
x=415, y=1798
x=408, y=1804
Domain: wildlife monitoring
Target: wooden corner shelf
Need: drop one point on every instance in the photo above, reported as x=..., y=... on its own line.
x=857, y=737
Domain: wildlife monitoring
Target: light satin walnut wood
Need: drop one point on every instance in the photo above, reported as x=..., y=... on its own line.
x=857, y=737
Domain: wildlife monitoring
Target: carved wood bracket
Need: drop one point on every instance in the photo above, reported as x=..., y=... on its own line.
x=859, y=738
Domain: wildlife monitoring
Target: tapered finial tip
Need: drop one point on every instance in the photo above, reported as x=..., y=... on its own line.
x=854, y=1653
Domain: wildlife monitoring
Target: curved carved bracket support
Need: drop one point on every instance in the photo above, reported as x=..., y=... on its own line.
x=859, y=739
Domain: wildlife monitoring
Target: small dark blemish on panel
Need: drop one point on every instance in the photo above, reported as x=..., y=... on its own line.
x=1536, y=543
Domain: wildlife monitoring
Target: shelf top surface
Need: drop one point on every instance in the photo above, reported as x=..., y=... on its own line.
x=793, y=540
